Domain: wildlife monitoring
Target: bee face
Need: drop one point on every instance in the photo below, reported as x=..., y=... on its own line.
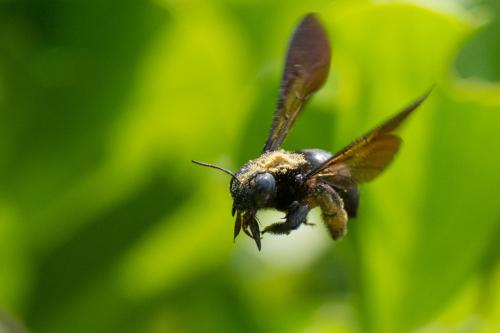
x=257, y=191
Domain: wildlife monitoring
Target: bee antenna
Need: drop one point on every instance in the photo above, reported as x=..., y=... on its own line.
x=233, y=176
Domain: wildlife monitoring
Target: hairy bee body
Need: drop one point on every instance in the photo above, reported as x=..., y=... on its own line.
x=292, y=192
x=289, y=170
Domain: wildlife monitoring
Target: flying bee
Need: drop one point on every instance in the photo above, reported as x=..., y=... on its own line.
x=296, y=182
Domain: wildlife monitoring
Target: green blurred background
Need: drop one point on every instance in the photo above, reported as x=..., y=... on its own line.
x=106, y=226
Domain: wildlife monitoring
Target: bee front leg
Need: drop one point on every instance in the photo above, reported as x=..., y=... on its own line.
x=332, y=209
x=295, y=216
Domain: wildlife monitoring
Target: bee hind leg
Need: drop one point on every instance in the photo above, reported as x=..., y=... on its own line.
x=332, y=209
x=295, y=216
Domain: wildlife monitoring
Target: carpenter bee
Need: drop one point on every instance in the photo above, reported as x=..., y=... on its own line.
x=296, y=182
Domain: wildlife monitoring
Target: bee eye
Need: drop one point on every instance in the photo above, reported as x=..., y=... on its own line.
x=265, y=188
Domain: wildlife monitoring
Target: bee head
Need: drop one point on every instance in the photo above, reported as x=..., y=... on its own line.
x=254, y=192
x=250, y=193
x=251, y=190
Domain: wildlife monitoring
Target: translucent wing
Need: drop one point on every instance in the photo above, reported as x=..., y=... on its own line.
x=306, y=69
x=368, y=156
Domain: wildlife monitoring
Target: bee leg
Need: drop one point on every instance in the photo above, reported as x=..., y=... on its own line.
x=237, y=225
x=296, y=215
x=250, y=226
x=254, y=228
x=332, y=208
x=247, y=232
x=308, y=223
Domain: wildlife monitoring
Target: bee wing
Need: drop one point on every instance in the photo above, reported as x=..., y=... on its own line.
x=369, y=155
x=306, y=69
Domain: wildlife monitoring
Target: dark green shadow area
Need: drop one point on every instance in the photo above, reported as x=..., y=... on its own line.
x=212, y=295
x=68, y=68
x=87, y=258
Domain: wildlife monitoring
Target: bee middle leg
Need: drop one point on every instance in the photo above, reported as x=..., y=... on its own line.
x=295, y=216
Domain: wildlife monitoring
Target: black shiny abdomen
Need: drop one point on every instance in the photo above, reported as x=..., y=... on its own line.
x=351, y=201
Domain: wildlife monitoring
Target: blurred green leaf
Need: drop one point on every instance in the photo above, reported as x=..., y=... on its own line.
x=479, y=57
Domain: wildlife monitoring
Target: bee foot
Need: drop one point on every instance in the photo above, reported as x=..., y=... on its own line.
x=279, y=228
